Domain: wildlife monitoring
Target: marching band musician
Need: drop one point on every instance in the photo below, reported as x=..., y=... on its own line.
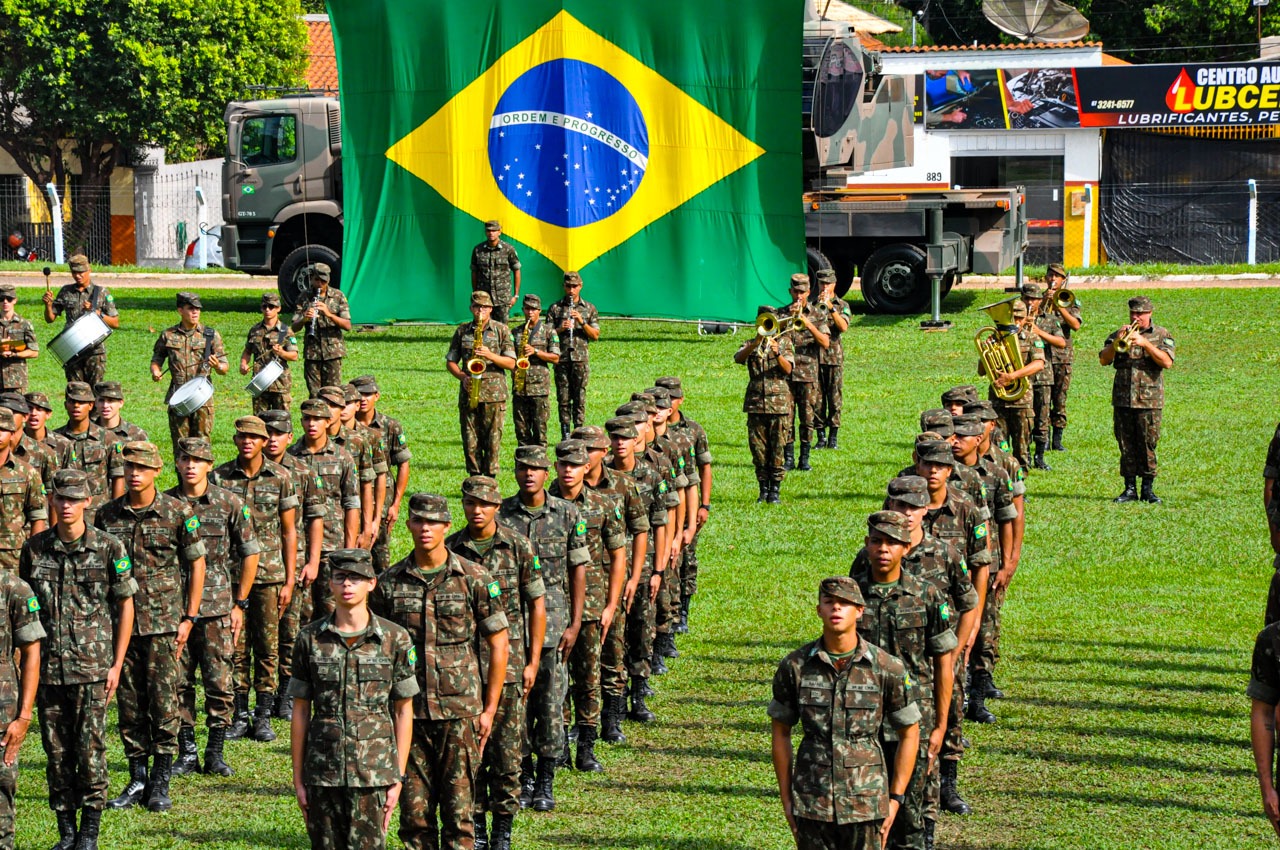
x=768, y=405
x=1046, y=328
x=269, y=341
x=76, y=299
x=192, y=350
x=530, y=402
x=1017, y=415
x=327, y=319
x=809, y=337
x=1055, y=280
x=18, y=342
x=482, y=407
x=578, y=323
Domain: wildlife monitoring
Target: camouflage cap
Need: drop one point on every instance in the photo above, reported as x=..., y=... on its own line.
x=532, y=301
x=766, y=309
x=962, y=394
x=672, y=385
x=622, y=426
x=358, y=562
x=631, y=408
x=827, y=275
x=333, y=395
x=278, y=421
x=572, y=277
x=1032, y=290
x=799, y=281
x=70, y=484
x=534, y=457
x=481, y=299
x=7, y=422
x=109, y=389
x=7, y=288
x=78, y=263
x=429, y=507
x=141, y=453
x=935, y=451
x=189, y=299
x=366, y=384
x=196, y=447
x=1019, y=309
x=350, y=394
x=841, y=587
x=39, y=400
x=592, y=436
x=79, y=391
x=271, y=299
x=1056, y=268
x=573, y=452
x=661, y=397
x=315, y=409
x=910, y=490
x=984, y=409
x=15, y=402
x=252, y=426
x=891, y=524
x=492, y=224
x=321, y=271
x=938, y=421
x=482, y=488
x=1140, y=304
x=969, y=425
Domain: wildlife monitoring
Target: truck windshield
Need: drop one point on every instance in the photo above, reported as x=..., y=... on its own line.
x=839, y=88
x=268, y=139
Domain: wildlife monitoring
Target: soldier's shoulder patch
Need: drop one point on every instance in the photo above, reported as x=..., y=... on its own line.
x=1009, y=484
x=319, y=482
x=495, y=590
x=980, y=530
x=1004, y=446
x=537, y=564
x=662, y=487
x=906, y=680
x=1039, y=343
x=617, y=512
x=122, y=565
x=581, y=528
x=401, y=439
x=984, y=491
x=1168, y=341
x=293, y=340
x=110, y=297
x=33, y=605
x=964, y=567
x=413, y=656
x=193, y=523
x=682, y=463
x=244, y=511
x=119, y=448
x=944, y=611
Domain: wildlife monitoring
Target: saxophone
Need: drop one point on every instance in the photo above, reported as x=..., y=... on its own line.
x=522, y=362
x=475, y=368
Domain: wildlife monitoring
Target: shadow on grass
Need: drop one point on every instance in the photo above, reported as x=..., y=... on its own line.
x=1140, y=646
x=1129, y=663
x=761, y=755
x=293, y=836
x=1083, y=705
x=1169, y=766
x=693, y=789
x=1188, y=687
x=1195, y=738
x=665, y=842
x=1094, y=799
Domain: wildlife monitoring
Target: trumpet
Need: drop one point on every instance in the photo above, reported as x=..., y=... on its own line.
x=522, y=362
x=1062, y=298
x=999, y=351
x=1124, y=341
x=475, y=368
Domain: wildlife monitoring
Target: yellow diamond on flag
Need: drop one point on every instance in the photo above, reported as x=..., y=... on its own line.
x=574, y=144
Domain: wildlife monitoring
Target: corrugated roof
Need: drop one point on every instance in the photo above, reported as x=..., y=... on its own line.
x=322, y=61
x=979, y=48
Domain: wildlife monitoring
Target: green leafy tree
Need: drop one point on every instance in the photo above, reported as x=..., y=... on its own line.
x=84, y=84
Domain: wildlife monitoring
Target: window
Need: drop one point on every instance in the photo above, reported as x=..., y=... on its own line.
x=269, y=139
x=839, y=88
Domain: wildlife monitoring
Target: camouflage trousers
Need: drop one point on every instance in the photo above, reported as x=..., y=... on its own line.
x=689, y=568
x=1017, y=425
x=8, y=790
x=953, y=743
x=805, y=396
x=346, y=818
x=1138, y=433
x=91, y=368
x=986, y=649
x=198, y=424
x=908, y=826
x=501, y=296
x=1061, y=386
x=297, y=615
x=259, y=641
x=584, y=677
x=641, y=626
x=381, y=550
x=17, y=385
x=148, y=696
x=767, y=437
x=1041, y=402
x=830, y=395
x=668, y=601
x=545, y=712
x=497, y=787
x=827, y=835
x=272, y=401
x=442, y=765
x=482, y=435
x=321, y=373
x=613, y=655
x=530, y=414
x=73, y=730
x=209, y=649
x=572, y=377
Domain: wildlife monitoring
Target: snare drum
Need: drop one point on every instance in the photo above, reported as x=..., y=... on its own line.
x=263, y=380
x=191, y=396
x=79, y=336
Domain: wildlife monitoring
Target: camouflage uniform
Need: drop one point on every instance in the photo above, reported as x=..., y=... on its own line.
x=1271, y=472
x=185, y=350
x=162, y=540
x=531, y=407
x=1137, y=401
x=1264, y=676
x=334, y=474
x=1042, y=382
x=622, y=490
x=39, y=457
x=21, y=627
x=323, y=348
x=22, y=502
x=701, y=453
x=91, y=364
x=258, y=348
x=573, y=372
x=1019, y=415
x=126, y=432
x=492, y=267
x=1062, y=360
x=957, y=522
x=482, y=425
x=396, y=445
x=831, y=371
x=76, y=586
x=446, y=611
x=13, y=370
x=803, y=380
x=311, y=490
x=350, y=755
x=641, y=624
x=93, y=452
x=768, y=405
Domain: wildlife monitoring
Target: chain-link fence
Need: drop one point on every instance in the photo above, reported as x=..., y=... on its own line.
x=28, y=229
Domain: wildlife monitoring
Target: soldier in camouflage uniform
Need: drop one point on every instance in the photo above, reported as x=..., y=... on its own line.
x=270, y=341
x=809, y=337
x=493, y=265
x=327, y=318
x=1018, y=415
x=768, y=406
x=937, y=424
x=20, y=636
x=162, y=538
x=1137, y=397
x=377, y=451
x=559, y=539
x=530, y=394
x=75, y=300
x=1264, y=696
x=837, y=790
x=192, y=351
x=83, y=586
x=509, y=558
x=22, y=498
x=1049, y=331
x=696, y=435
x=358, y=447
x=577, y=323
x=18, y=342
x=108, y=399
x=481, y=423
x=830, y=400
x=231, y=563
x=353, y=687
x=36, y=427
x=88, y=447
x=396, y=447
x=448, y=605
x=1055, y=280
x=25, y=448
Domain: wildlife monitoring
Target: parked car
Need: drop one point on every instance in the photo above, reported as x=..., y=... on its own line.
x=213, y=238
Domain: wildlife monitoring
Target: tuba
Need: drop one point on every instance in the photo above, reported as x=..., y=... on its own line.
x=522, y=362
x=475, y=368
x=998, y=347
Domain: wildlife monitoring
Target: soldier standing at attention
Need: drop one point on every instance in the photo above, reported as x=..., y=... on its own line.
x=830, y=399
x=508, y=557
x=494, y=264
x=810, y=337
x=326, y=318
x=37, y=428
x=75, y=300
x=83, y=587
x=192, y=350
x=1137, y=396
x=25, y=448
x=678, y=422
x=108, y=399
x=162, y=538
x=18, y=342
x=1264, y=694
x=841, y=690
x=353, y=687
x=396, y=450
x=1055, y=280
x=271, y=342
x=377, y=451
x=769, y=360
x=231, y=564
x=481, y=422
x=355, y=445
x=530, y=402
x=1048, y=330
x=1018, y=415
x=20, y=636
x=448, y=605
x=578, y=324
x=88, y=447
x=22, y=498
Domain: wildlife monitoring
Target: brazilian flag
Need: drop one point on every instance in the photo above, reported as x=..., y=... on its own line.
x=653, y=146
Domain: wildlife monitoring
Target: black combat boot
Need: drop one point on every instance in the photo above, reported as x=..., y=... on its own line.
x=132, y=793
x=158, y=795
x=928, y=834
x=482, y=831
x=977, y=710
x=586, y=760
x=544, y=797
x=66, y=831
x=1056, y=445
x=565, y=758
x=1039, y=462
x=500, y=838
x=188, y=760
x=284, y=704
x=1148, y=495
x=1130, y=493
x=240, y=719
x=665, y=644
x=682, y=625
x=949, y=796
x=639, y=711
x=611, y=719
x=87, y=837
x=993, y=692
x=214, y=764
x=262, y=730
x=764, y=490
x=647, y=689
x=803, y=465
x=821, y=442
x=526, y=781
x=775, y=493
x=832, y=442
x=789, y=456
x=657, y=664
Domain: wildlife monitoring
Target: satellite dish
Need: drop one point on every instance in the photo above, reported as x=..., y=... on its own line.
x=1036, y=20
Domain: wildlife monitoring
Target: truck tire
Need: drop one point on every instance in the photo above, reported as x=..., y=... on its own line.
x=893, y=280
x=292, y=281
x=816, y=262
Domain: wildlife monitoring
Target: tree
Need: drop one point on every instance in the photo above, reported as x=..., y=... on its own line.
x=85, y=84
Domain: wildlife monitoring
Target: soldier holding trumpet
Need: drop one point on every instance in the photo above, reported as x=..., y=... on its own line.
x=769, y=357
x=1067, y=307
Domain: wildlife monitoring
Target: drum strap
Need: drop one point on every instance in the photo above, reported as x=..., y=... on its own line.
x=95, y=297
x=208, y=343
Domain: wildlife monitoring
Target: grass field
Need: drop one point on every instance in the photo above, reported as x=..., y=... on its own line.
x=1128, y=629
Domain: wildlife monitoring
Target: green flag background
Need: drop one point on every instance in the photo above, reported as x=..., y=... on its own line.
x=717, y=255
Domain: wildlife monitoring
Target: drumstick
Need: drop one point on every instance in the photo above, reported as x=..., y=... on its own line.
x=47, y=271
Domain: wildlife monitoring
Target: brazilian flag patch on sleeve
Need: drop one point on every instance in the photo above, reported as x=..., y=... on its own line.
x=980, y=531
x=964, y=567
x=193, y=523
x=581, y=528
x=122, y=565
x=537, y=565
x=413, y=656
x=662, y=487
x=944, y=611
x=495, y=590
x=293, y=340
x=617, y=512
x=33, y=605
x=245, y=511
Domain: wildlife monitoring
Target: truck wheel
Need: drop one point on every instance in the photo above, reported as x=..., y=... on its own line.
x=292, y=281
x=816, y=262
x=893, y=280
